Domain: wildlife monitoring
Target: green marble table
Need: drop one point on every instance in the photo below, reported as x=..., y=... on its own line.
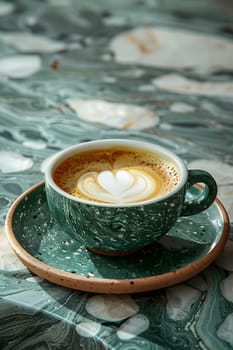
x=72, y=71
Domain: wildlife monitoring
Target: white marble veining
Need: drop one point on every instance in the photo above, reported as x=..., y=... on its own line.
x=117, y=115
x=134, y=326
x=180, y=84
x=223, y=174
x=225, y=330
x=225, y=259
x=28, y=43
x=226, y=286
x=35, y=144
x=168, y=47
x=115, y=20
x=88, y=329
x=11, y=162
x=6, y=8
x=111, y=307
x=20, y=66
x=8, y=259
x=34, y=279
x=180, y=299
x=181, y=107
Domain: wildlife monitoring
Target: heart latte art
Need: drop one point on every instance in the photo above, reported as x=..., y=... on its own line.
x=116, y=176
x=117, y=186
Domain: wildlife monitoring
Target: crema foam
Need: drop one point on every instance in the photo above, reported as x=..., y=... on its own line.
x=117, y=176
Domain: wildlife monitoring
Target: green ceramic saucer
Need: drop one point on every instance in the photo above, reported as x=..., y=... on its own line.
x=192, y=244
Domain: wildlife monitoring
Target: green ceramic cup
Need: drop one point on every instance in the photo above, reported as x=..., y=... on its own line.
x=122, y=228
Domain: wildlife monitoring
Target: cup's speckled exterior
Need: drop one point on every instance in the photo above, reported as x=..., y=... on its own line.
x=121, y=229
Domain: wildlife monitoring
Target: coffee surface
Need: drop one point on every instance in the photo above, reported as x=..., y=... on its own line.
x=116, y=176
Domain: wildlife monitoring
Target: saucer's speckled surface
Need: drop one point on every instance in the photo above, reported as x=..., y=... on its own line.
x=192, y=244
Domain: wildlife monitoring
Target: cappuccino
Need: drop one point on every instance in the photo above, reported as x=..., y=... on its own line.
x=117, y=175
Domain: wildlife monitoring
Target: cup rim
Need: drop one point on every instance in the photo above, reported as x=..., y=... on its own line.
x=105, y=143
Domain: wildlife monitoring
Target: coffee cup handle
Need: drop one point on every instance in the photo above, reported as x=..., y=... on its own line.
x=205, y=197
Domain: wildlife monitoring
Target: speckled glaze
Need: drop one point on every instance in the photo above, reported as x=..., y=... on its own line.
x=122, y=229
x=60, y=66
x=50, y=252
